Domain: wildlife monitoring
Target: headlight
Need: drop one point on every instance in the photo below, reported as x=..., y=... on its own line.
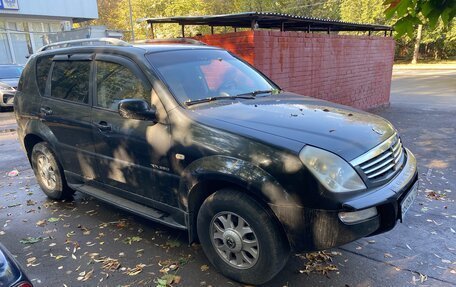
x=333, y=172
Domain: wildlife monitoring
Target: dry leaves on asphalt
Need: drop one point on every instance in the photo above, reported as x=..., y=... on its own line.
x=136, y=270
x=435, y=195
x=30, y=240
x=109, y=264
x=319, y=262
x=130, y=240
x=84, y=276
x=167, y=280
x=167, y=266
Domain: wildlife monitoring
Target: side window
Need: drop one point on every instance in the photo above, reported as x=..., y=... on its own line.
x=116, y=82
x=70, y=81
x=43, y=65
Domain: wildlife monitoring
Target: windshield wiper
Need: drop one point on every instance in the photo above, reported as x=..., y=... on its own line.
x=258, y=92
x=210, y=99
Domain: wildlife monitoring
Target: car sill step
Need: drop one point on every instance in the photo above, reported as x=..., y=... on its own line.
x=130, y=206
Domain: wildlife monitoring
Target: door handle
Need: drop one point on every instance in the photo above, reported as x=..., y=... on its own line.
x=103, y=126
x=46, y=111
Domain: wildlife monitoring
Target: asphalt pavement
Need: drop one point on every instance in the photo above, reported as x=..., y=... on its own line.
x=85, y=242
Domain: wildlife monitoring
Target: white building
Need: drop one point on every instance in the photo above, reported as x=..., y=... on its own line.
x=23, y=23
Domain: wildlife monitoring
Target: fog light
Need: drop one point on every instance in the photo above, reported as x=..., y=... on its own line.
x=357, y=216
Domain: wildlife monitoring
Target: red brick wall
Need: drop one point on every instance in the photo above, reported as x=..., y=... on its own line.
x=351, y=70
x=240, y=43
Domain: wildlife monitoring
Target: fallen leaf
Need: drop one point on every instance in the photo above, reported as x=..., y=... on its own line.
x=30, y=240
x=204, y=268
x=130, y=240
x=136, y=270
x=387, y=255
x=41, y=223
x=167, y=280
x=30, y=202
x=53, y=219
x=84, y=276
x=172, y=243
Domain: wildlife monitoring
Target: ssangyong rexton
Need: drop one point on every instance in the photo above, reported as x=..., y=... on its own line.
x=197, y=139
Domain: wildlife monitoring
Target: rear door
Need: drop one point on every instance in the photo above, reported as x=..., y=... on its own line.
x=66, y=110
x=132, y=154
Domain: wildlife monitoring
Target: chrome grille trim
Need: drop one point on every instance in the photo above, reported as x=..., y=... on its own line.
x=381, y=171
x=382, y=161
x=379, y=149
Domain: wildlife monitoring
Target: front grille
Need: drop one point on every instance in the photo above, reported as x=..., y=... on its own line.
x=383, y=161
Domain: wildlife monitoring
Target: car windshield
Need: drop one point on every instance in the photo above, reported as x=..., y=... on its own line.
x=9, y=72
x=201, y=74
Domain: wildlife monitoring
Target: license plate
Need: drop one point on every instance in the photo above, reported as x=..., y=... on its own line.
x=408, y=200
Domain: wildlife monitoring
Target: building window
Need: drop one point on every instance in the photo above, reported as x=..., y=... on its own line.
x=19, y=39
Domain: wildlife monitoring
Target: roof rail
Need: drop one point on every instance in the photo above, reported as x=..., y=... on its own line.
x=179, y=40
x=84, y=42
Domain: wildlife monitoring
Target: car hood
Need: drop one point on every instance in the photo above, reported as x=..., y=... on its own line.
x=342, y=130
x=9, y=82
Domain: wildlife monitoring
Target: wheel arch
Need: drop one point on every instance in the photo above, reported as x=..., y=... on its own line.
x=30, y=140
x=214, y=173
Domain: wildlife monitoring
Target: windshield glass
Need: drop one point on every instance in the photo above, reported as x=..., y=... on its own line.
x=199, y=74
x=8, y=72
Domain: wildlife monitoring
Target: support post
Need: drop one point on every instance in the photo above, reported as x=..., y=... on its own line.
x=212, y=30
x=183, y=30
x=152, y=30
x=370, y=32
x=253, y=24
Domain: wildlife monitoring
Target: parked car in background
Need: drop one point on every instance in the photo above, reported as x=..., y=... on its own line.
x=11, y=274
x=195, y=138
x=9, y=78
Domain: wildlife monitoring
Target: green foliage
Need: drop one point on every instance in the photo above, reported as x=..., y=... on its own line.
x=438, y=35
x=362, y=11
x=408, y=13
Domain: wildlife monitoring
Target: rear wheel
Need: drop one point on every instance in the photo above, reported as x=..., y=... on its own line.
x=241, y=238
x=49, y=173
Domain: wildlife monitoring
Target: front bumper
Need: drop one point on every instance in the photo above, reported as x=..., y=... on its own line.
x=7, y=98
x=314, y=229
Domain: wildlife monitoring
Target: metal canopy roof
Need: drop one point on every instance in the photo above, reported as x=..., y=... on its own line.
x=266, y=20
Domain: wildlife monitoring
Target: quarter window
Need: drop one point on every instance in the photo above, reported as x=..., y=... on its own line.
x=43, y=65
x=115, y=83
x=70, y=81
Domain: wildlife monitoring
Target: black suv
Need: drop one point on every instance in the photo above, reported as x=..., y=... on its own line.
x=197, y=139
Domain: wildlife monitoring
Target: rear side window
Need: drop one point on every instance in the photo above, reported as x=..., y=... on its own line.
x=70, y=81
x=43, y=65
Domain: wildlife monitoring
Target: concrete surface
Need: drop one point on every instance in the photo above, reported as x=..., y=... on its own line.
x=419, y=252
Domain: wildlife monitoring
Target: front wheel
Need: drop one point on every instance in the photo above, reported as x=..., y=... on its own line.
x=241, y=238
x=48, y=172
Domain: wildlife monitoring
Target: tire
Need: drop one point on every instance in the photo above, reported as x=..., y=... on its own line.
x=49, y=172
x=235, y=256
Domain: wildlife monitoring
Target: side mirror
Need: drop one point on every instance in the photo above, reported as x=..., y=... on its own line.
x=137, y=110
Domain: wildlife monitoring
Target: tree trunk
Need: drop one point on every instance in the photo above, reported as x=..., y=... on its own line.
x=416, y=51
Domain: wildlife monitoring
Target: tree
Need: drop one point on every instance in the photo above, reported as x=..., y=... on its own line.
x=413, y=12
x=362, y=11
